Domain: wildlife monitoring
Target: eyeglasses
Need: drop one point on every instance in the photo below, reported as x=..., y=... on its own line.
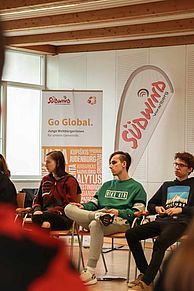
x=180, y=165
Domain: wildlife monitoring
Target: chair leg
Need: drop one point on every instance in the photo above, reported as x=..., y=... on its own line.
x=135, y=272
x=16, y=217
x=129, y=266
x=24, y=219
x=81, y=257
x=112, y=243
x=104, y=262
x=72, y=240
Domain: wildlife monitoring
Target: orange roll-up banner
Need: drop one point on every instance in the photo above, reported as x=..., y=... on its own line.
x=72, y=123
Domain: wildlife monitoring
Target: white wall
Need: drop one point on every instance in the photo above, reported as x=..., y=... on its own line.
x=108, y=71
x=26, y=184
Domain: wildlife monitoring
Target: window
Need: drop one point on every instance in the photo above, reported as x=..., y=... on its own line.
x=23, y=67
x=23, y=131
x=20, y=123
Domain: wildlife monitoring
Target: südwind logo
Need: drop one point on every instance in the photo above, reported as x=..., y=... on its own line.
x=144, y=99
x=143, y=93
x=64, y=100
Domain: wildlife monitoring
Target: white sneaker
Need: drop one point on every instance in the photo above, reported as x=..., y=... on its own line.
x=88, y=278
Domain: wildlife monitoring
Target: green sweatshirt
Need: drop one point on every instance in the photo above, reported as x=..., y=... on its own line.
x=127, y=196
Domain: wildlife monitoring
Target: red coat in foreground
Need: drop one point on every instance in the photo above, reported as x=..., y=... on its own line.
x=31, y=260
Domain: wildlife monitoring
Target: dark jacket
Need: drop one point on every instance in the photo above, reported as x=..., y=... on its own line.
x=8, y=192
x=175, y=194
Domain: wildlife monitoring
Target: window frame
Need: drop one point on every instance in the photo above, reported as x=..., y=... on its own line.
x=3, y=117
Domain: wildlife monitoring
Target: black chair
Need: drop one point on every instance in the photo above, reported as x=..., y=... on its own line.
x=24, y=200
x=30, y=193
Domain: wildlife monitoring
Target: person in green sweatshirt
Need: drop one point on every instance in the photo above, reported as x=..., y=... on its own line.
x=111, y=210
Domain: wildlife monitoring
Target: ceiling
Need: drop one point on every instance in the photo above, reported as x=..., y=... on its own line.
x=53, y=26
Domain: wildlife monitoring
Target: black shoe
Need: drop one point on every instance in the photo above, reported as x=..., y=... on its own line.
x=107, y=219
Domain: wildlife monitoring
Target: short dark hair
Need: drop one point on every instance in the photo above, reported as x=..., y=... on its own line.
x=124, y=156
x=58, y=157
x=187, y=158
x=3, y=166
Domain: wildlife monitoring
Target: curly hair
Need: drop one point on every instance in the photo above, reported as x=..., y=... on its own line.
x=187, y=158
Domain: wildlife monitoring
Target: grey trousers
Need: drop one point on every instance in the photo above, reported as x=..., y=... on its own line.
x=97, y=230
